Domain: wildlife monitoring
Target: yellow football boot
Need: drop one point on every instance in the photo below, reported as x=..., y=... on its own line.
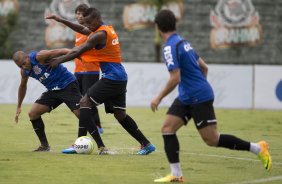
x=264, y=155
x=170, y=178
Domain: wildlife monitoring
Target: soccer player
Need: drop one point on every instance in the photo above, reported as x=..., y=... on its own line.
x=86, y=72
x=61, y=88
x=111, y=88
x=195, y=100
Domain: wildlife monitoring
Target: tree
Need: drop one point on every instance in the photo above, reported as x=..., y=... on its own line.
x=157, y=40
x=7, y=23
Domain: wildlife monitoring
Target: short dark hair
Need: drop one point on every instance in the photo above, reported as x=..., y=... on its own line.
x=166, y=21
x=93, y=13
x=81, y=8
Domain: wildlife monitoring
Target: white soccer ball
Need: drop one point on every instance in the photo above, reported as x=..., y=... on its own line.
x=83, y=145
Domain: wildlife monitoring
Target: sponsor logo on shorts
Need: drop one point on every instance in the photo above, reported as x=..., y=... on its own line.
x=200, y=123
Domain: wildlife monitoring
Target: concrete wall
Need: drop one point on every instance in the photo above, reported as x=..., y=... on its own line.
x=138, y=46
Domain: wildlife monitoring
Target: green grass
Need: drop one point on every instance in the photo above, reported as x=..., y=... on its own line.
x=201, y=164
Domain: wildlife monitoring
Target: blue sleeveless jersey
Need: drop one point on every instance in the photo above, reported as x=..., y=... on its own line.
x=193, y=87
x=53, y=79
x=113, y=71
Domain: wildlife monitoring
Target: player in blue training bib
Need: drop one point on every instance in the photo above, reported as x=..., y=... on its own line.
x=53, y=79
x=61, y=85
x=193, y=86
x=194, y=100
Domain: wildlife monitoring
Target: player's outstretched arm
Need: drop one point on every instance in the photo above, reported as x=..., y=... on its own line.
x=45, y=55
x=76, y=27
x=203, y=66
x=170, y=85
x=93, y=40
x=21, y=94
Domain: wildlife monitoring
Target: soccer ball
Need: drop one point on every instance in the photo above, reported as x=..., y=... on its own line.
x=83, y=145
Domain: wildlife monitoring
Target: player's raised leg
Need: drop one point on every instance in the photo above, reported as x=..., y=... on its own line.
x=212, y=138
x=131, y=127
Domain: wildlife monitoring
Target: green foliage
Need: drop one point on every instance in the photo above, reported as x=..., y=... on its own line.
x=201, y=164
x=157, y=39
x=7, y=23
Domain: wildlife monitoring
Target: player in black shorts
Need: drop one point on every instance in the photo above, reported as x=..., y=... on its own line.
x=111, y=88
x=85, y=71
x=103, y=92
x=188, y=71
x=197, y=111
x=61, y=87
x=85, y=80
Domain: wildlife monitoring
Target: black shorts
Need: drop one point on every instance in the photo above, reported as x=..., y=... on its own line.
x=202, y=113
x=111, y=93
x=70, y=96
x=85, y=81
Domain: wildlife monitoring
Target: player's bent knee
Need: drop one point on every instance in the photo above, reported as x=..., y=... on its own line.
x=211, y=141
x=119, y=115
x=33, y=115
x=76, y=113
x=166, y=129
x=85, y=102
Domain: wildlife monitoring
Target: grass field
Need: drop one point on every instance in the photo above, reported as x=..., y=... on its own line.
x=201, y=164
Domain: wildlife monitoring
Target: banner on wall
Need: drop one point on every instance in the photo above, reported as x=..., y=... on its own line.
x=144, y=85
x=232, y=84
x=235, y=86
x=268, y=87
x=140, y=15
x=58, y=35
x=235, y=23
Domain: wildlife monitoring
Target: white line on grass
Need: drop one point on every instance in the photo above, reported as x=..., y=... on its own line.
x=222, y=156
x=265, y=180
x=229, y=157
x=134, y=149
x=203, y=155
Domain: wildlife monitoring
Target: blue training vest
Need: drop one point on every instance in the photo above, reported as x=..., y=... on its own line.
x=53, y=79
x=193, y=87
x=113, y=71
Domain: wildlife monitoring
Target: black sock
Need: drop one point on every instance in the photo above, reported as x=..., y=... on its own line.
x=232, y=142
x=85, y=121
x=131, y=127
x=96, y=116
x=171, y=146
x=82, y=131
x=39, y=129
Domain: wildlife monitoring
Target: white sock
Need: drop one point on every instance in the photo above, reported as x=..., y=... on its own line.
x=176, y=169
x=255, y=148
